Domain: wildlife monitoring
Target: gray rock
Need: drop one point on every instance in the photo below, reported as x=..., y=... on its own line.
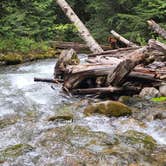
x=149, y=92
x=162, y=90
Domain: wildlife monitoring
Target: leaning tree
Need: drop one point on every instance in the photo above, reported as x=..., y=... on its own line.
x=83, y=31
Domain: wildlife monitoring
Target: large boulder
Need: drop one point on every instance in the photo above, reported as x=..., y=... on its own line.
x=108, y=108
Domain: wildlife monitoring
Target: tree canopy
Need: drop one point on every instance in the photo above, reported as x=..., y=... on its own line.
x=30, y=21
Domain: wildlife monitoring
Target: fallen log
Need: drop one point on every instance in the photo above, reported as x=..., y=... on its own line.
x=109, y=90
x=157, y=28
x=112, y=52
x=123, y=40
x=74, y=45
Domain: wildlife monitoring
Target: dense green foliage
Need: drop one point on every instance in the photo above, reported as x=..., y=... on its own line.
x=25, y=23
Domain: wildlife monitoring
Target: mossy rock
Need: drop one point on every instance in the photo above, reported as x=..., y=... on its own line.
x=139, y=139
x=12, y=58
x=63, y=113
x=14, y=151
x=108, y=108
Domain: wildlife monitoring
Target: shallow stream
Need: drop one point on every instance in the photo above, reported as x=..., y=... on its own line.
x=41, y=126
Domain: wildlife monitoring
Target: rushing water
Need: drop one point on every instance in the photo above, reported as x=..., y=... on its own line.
x=28, y=136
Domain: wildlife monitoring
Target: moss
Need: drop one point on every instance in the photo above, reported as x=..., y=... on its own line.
x=50, y=53
x=74, y=60
x=159, y=99
x=15, y=151
x=108, y=108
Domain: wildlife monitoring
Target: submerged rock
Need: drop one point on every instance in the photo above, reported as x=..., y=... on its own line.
x=108, y=108
x=14, y=151
x=4, y=122
x=61, y=117
x=149, y=92
x=133, y=148
x=140, y=140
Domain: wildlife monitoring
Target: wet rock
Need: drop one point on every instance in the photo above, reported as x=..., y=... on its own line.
x=159, y=116
x=108, y=108
x=162, y=90
x=159, y=155
x=149, y=92
x=63, y=113
x=133, y=148
x=6, y=121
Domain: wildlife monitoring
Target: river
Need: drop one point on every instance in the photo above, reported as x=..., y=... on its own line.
x=42, y=126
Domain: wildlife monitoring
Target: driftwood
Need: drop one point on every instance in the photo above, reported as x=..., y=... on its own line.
x=67, y=57
x=110, y=75
x=157, y=28
x=122, y=39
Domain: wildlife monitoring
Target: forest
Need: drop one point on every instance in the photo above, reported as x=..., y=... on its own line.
x=30, y=24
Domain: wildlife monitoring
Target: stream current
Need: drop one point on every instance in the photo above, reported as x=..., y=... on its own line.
x=29, y=137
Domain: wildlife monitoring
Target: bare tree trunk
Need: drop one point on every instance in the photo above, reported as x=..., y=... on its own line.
x=84, y=32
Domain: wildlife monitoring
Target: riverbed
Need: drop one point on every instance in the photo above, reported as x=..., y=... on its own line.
x=42, y=126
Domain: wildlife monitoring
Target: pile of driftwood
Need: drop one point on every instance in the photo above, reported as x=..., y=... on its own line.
x=124, y=70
